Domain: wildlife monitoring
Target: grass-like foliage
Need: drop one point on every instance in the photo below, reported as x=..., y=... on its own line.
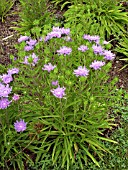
x=117, y=160
x=122, y=48
x=104, y=18
x=62, y=92
x=5, y=6
x=32, y=14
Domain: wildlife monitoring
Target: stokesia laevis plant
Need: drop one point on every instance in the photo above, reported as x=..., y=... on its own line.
x=64, y=96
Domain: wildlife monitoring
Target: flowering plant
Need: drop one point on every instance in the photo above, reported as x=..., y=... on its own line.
x=64, y=94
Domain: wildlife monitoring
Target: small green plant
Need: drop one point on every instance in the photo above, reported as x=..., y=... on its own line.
x=5, y=6
x=33, y=14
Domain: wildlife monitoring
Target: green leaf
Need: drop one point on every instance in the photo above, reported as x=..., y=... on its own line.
x=88, y=153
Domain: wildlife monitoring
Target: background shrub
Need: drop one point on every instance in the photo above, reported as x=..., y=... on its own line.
x=103, y=18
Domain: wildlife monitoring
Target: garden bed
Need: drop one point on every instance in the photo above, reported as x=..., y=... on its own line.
x=8, y=40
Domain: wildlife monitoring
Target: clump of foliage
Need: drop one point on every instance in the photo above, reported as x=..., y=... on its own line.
x=5, y=6
x=33, y=14
x=104, y=18
x=122, y=48
x=55, y=99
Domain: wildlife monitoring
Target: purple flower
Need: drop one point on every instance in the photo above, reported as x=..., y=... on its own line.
x=48, y=67
x=55, y=83
x=33, y=59
x=20, y=126
x=64, y=51
x=7, y=78
x=16, y=97
x=94, y=38
x=59, y=92
x=53, y=34
x=86, y=37
x=23, y=38
x=13, y=71
x=56, y=29
x=97, y=49
x=56, y=33
x=67, y=38
x=31, y=42
x=105, y=42
x=81, y=71
x=4, y=103
x=5, y=90
x=97, y=64
x=83, y=48
x=65, y=31
x=26, y=60
x=108, y=55
x=28, y=48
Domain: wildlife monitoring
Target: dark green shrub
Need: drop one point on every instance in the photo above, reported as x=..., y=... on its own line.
x=97, y=17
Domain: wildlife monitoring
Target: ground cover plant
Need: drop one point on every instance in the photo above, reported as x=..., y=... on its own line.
x=61, y=99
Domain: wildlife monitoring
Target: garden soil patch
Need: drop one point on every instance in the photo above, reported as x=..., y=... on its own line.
x=8, y=36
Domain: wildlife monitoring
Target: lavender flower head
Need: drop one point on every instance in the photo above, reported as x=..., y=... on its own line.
x=7, y=78
x=65, y=31
x=20, y=126
x=31, y=42
x=13, y=71
x=53, y=34
x=23, y=38
x=48, y=67
x=59, y=92
x=94, y=38
x=5, y=90
x=97, y=64
x=56, y=33
x=56, y=29
x=108, y=55
x=97, y=49
x=67, y=38
x=33, y=59
x=16, y=97
x=4, y=103
x=81, y=71
x=64, y=51
x=28, y=48
x=83, y=48
x=105, y=42
x=55, y=83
